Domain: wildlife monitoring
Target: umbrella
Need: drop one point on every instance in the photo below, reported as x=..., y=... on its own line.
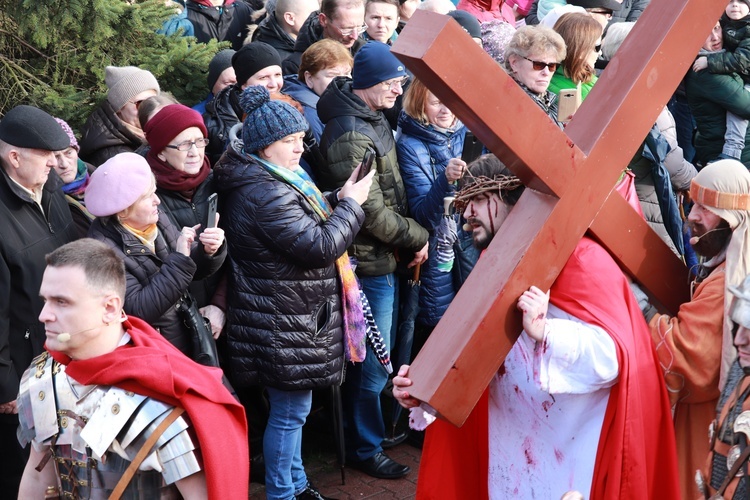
x=338, y=428
x=408, y=308
x=374, y=337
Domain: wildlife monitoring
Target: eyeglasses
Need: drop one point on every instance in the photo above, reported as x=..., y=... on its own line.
x=539, y=65
x=137, y=104
x=351, y=31
x=397, y=83
x=185, y=146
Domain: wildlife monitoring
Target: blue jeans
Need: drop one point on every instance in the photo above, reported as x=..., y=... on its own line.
x=363, y=418
x=282, y=443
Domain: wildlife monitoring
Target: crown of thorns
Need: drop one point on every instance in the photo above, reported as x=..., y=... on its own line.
x=483, y=184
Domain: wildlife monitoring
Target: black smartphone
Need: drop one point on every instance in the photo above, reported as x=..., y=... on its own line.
x=367, y=162
x=472, y=148
x=212, y=202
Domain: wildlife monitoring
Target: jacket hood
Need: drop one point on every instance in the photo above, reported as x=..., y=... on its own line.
x=300, y=92
x=339, y=100
x=425, y=133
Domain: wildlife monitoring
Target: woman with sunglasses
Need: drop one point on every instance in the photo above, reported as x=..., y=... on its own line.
x=160, y=260
x=582, y=35
x=531, y=58
x=184, y=182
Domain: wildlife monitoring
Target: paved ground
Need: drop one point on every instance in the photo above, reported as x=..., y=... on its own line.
x=321, y=465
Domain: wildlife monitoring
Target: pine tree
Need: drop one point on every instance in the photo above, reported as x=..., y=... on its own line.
x=53, y=53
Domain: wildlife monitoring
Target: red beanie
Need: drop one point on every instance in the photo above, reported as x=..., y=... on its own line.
x=168, y=123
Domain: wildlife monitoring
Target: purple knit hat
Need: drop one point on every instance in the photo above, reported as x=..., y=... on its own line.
x=117, y=184
x=66, y=128
x=496, y=35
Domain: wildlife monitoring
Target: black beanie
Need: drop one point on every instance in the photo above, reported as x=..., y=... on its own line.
x=221, y=61
x=252, y=58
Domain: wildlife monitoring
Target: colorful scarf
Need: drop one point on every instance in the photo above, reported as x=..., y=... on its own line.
x=77, y=186
x=354, y=320
x=171, y=179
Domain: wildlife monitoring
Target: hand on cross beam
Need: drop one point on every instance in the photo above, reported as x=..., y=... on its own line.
x=534, y=303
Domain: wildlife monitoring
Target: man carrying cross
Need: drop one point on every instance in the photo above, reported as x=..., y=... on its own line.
x=579, y=403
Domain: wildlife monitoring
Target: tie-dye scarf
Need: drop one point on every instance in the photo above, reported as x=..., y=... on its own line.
x=354, y=320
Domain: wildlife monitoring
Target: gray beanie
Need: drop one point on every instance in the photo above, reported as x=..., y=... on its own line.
x=221, y=61
x=267, y=121
x=126, y=82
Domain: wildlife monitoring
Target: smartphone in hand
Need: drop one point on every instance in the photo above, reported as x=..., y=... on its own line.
x=472, y=148
x=367, y=162
x=212, y=203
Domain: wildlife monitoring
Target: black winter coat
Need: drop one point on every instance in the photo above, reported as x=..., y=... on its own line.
x=284, y=318
x=269, y=31
x=156, y=280
x=189, y=213
x=227, y=23
x=105, y=135
x=28, y=234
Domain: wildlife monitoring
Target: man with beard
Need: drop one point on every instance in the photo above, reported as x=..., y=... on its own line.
x=579, y=403
x=695, y=347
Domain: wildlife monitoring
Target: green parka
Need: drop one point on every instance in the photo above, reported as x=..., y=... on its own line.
x=350, y=127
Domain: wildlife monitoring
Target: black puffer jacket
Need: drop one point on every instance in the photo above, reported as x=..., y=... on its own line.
x=284, y=319
x=186, y=212
x=310, y=32
x=156, y=280
x=226, y=23
x=105, y=135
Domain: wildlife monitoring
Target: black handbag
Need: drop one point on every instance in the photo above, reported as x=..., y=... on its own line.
x=204, y=345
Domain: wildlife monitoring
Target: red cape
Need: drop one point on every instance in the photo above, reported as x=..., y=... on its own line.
x=151, y=366
x=636, y=457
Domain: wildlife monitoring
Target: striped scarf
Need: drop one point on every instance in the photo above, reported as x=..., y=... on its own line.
x=354, y=320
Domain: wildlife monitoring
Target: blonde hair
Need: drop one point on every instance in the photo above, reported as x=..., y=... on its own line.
x=534, y=40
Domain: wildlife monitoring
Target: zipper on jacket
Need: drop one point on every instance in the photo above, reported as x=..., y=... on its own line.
x=27, y=334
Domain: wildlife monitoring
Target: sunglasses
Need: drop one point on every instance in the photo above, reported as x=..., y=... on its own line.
x=539, y=65
x=598, y=47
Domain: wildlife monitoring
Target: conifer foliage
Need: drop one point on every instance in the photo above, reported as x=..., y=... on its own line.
x=53, y=53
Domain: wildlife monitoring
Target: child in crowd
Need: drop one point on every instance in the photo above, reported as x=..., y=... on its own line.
x=735, y=58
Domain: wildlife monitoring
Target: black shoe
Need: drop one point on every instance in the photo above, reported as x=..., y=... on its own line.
x=396, y=440
x=381, y=467
x=310, y=493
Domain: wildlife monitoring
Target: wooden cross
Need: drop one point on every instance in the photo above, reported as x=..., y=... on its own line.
x=571, y=175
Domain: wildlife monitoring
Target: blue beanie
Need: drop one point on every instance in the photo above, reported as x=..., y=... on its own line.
x=374, y=64
x=267, y=121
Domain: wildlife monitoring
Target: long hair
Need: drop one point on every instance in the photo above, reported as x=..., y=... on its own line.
x=580, y=33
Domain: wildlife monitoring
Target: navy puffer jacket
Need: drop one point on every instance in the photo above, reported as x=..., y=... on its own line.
x=284, y=318
x=423, y=153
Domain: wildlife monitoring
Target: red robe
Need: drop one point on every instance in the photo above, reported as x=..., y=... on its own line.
x=636, y=457
x=152, y=367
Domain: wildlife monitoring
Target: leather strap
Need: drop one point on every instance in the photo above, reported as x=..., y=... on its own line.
x=733, y=471
x=144, y=452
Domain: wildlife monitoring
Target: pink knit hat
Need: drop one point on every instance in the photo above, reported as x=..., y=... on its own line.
x=117, y=184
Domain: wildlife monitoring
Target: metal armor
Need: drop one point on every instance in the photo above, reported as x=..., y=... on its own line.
x=93, y=432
